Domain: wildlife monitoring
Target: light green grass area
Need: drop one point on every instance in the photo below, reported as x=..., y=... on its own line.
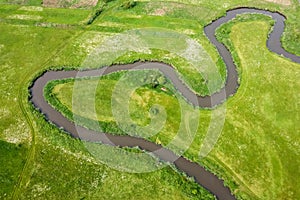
x=17, y=66
x=41, y=161
x=260, y=135
x=190, y=59
x=41, y=16
x=60, y=94
x=187, y=19
x=185, y=16
x=257, y=153
x=258, y=147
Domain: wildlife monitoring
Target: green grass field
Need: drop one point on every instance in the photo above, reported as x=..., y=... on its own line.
x=260, y=118
x=261, y=102
x=256, y=154
x=35, y=153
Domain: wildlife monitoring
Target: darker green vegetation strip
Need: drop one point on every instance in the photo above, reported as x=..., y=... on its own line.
x=12, y=159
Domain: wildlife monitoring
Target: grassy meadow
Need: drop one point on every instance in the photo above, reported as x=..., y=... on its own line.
x=257, y=123
x=35, y=150
x=260, y=129
x=256, y=154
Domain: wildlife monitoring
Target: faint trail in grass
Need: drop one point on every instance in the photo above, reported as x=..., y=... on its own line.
x=235, y=175
x=22, y=101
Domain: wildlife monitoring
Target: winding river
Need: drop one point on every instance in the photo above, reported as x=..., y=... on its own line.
x=206, y=179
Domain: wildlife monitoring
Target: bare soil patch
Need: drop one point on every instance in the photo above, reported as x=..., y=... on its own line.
x=159, y=12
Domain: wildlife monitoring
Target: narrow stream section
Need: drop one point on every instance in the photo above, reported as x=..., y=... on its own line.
x=206, y=179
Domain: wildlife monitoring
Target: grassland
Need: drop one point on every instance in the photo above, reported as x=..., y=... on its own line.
x=15, y=67
x=41, y=160
x=262, y=123
x=258, y=119
x=257, y=125
x=34, y=153
x=188, y=16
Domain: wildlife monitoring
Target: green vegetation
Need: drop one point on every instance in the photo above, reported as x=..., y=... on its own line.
x=41, y=160
x=40, y=16
x=40, y=177
x=257, y=153
x=128, y=4
x=256, y=118
x=59, y=158
x=17, y=66
x=188, y=16
x=97, y=10
x=14, y=158
x=224, y=31
x=59, y=93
